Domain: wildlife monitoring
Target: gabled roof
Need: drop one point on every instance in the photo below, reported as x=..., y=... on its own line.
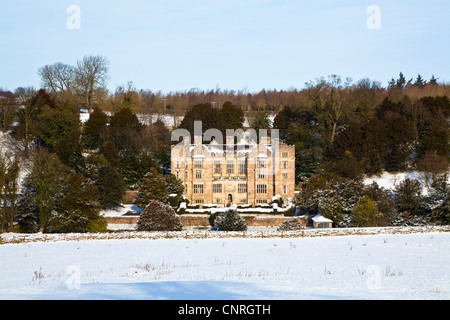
x=320, y=218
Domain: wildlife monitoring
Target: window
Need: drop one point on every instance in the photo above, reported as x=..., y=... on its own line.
x=285, y=189
x=199, y=201
x=242, y=188
x=198, y=174
x=177, y=174
x=230, y=166
x=217, y=167
x=177, y=164
x=284, y=176
x=242, y=201
x=198, y=188
x=242, y=167
x=285, y=154
x=261, y=164
x=261, y=173
x=261, y=188
x=284, y=164
x=218, y=200
x=261, y=201
x=217, y=188
x=198, y=164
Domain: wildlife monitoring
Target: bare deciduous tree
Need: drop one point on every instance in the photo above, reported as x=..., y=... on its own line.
x=58, y=77
x=9, y=173
x=329, y=98
x=8, y=110
x=27, y=112
x=91, y=77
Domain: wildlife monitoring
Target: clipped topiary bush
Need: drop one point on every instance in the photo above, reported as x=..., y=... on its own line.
x=278, y=200
x=158, y=216
x=290, y=207
x=230, y=221
x=290, y=225
x=212, y=217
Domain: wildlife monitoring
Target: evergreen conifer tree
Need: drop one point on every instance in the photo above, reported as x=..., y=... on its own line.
x=95, y=129
x=408, y=196
x=76, y=207
x=420, y=82
x=153, y=187
x=231, y=117
x=28, y=212
x=46, y=180
x=201, y=112
x=110, y=185
x=384, y=202
x=366, y=213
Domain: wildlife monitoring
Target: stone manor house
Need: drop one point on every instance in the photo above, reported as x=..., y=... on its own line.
x=239, y=173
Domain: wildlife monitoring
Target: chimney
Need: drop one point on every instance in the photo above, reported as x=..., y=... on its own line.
x=198, y=140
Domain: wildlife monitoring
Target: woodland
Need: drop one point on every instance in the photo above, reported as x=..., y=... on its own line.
x=57, y=173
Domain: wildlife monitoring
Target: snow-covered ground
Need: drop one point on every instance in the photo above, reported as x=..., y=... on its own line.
x=381, y=266
x=121, y=210
x=167, y=119
x=389, y=180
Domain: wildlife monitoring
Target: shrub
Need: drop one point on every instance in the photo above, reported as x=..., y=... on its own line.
x=290, y=225
x=290, y=207
x=182, y=208
x=98, y=225
x=158, y=216
x=212, y=217
x=441, y=214
x=278, y=200
x=230, y=221
x=174, y=200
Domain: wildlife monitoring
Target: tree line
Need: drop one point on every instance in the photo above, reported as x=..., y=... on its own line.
x=342, y=135
x=341, y=130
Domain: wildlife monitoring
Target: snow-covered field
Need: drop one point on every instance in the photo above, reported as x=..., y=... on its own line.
x=384, y=265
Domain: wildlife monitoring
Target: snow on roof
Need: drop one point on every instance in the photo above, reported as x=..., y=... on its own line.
x=221, y=148
x=320, y=218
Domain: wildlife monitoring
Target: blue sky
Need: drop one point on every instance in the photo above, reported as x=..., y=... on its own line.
x=177, y=45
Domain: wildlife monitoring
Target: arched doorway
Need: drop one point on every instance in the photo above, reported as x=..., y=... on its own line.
x=230, y=199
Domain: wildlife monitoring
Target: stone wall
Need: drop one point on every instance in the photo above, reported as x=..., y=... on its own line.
x=192, y=220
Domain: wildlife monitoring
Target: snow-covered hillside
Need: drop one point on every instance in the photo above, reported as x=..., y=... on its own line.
x=388, y=180
x=167, y=119
x=384, y=266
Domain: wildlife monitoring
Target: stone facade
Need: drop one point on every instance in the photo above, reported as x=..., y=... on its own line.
x=234, y=173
